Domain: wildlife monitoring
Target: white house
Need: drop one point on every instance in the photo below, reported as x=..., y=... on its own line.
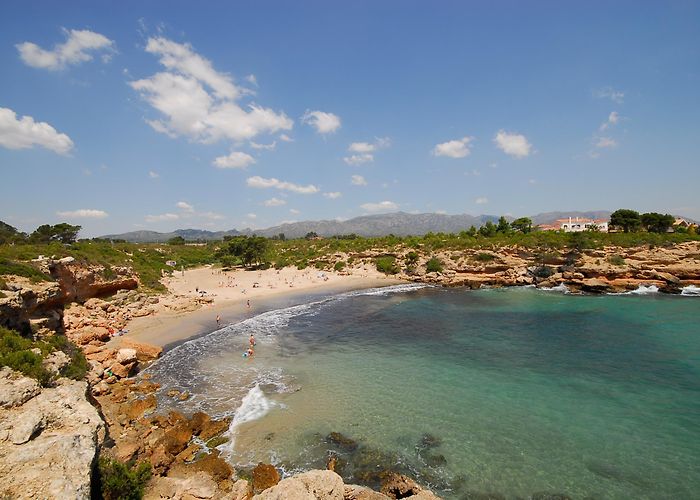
x=578, y=224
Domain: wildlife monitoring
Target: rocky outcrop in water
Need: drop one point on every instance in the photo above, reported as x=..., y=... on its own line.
x=49, y=438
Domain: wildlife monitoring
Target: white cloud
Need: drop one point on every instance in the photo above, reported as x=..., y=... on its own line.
x=605, y=142
x=26, y=133
x=210, y=215
x=481, y=200
x=613, y=118
x=358, y=180
x=251, y=216
x=294, y=211
x=286, y=138
x=199, y=102
x=268, y=147
x=361, y=147
x=458, y=148
x=183, y=205
x=252, y=79
x=237, y=159
x=333, y=195
x=162, y=217
x=441, y=212
x=382, y=206
x=84, y=213
x=610, y=93
x=359, y=159
x=262, y=183
x=74, y=50
x=153, y=175
x=274, y=202
x=515, y=145
x=324, y=123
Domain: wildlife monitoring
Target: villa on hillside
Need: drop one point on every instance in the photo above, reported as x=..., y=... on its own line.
x=576, y=225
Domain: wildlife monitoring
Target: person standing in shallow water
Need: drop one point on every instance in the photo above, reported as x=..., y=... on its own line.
x=251, y=341
x=218, y=320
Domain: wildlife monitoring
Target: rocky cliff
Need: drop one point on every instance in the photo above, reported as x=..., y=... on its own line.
x=49, y=438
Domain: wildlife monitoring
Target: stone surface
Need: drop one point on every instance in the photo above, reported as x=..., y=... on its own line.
x=312, y=485
x=355, y=492
x=15, y=389
x=55, y=463
x=126, y=356
x=400, y=486
x=264, y=476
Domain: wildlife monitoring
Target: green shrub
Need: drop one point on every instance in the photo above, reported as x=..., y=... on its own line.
x=484, y=257
x=3, y=284
x=25, y=270
x=434, y=265
x=387, y=265
x=120, y=481
x=616, y=260
x=339, y=266
x=78, y=366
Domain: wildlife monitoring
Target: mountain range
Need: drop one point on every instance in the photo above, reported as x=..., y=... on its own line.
x=398, y=223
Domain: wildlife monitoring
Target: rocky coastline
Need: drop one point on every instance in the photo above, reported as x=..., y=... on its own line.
x=51, y=437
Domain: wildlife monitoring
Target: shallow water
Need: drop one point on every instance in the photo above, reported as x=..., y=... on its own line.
x=520, y=390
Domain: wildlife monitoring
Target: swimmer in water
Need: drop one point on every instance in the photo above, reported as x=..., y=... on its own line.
x=251, y=340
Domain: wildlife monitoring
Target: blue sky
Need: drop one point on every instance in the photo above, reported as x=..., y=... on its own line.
x=121, y=116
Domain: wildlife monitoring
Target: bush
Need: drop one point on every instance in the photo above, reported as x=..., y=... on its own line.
x=387, y=265
x=120, y=481
x=484, y=257
x=339, y=266
x=78, y=366
x=25, y=270
x=434, y=265
x=616, y=260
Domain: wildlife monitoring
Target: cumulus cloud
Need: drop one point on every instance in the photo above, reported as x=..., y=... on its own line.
x=458, y=148
x=382, y=206
x=262, y=183
x=333, y=195
x=324, y=123
x=358, y=180
x=76, y=49
x=515, y=145
x=286, y=138
x=605, y=142
x=26, y=133
x=162, y=217
x=613, y=118
x=210, y=215
x=153, y=175
x=364, y=150
x=610, y=93
x=251, y=216
x=83, y=213
x=183, y=205
x=359, y=159
x=237, y=159
x=268, y=147
x=199, y=102
x=294, y=211
x=481, y=200
x=274, y=202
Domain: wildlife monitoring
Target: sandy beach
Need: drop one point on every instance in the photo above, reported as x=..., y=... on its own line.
x=235, y=295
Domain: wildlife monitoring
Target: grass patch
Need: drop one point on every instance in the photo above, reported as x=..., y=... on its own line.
x=339, y=266
x=25, y=270
x=484, y=257
x=616, y=260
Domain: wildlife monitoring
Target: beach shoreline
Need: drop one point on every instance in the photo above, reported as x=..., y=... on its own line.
x=196, y=298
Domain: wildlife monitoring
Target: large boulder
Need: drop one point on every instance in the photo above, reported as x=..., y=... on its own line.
x=312, y=485
x=53, y=441
x=15, y=389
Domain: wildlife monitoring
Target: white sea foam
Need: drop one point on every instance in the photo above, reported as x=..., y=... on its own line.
x=253, y=406
x=386, y=290
x=640, y=290
x=561, y=288
x=691, y=291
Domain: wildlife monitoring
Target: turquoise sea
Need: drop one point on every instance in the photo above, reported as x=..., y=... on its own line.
x=514, y=392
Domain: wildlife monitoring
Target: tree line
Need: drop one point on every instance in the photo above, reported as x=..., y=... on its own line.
x=64, y=233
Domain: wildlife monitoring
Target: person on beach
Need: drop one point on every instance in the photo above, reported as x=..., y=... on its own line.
x=251, y=341
x=247, y=303
x=218, y=320
x=250, y=352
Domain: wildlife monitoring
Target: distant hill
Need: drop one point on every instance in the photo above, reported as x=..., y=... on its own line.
x=399, y=224
x=156, y=237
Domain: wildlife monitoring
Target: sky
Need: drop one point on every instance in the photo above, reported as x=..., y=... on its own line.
x=159, y=115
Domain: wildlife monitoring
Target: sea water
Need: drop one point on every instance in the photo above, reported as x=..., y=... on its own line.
x=513, y=391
